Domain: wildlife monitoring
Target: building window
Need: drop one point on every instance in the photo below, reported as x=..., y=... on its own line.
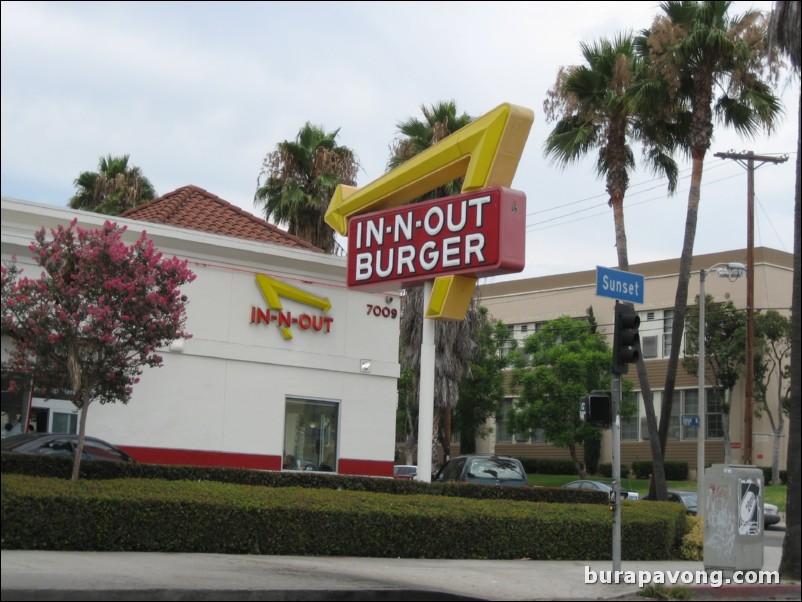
x=502, y=434
x=690, y=408
x=64, y=423
x=648, y=346
x=668, y=325
x=715, y=414
x=676, y=411
x=629, y=424
x=310, y=435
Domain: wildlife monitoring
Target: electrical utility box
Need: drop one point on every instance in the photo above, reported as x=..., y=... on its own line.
x=733, y=503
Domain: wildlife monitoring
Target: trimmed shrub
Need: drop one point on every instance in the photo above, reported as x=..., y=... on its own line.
x=210, y=517
x=693, y=543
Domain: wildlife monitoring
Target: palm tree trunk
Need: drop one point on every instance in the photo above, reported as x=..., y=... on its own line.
x=620, y=231
x=681, y=299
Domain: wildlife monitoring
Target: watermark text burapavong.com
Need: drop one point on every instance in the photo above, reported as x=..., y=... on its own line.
x=714, y=578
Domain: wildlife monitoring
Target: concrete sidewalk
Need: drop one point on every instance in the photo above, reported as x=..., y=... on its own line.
x=35, y=575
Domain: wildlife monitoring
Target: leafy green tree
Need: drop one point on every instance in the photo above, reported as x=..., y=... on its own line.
x=785, y=29
x=113, y=189
x=714, y=67
x=482, y=391
x=567, y=361
x=772, y=366
x=298, y=179
x=725, y=354
x=453, y=340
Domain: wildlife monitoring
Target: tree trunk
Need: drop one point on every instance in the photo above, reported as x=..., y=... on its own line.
x=658, y=488
x=580, y=466
x=681, y=298
x=791, y=562
x=79, y=451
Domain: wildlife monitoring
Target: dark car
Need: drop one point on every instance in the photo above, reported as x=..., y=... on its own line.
x=599, y=486
x=405, y=471
x=483, y=468
x=54, y=444
x=771, y=514
x=688, y=498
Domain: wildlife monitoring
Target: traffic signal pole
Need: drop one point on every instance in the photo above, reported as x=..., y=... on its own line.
x=616, y=426
x=626, y=350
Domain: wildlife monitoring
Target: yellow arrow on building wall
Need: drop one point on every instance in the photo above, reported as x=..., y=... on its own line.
x=273, y=289
x=486, y=152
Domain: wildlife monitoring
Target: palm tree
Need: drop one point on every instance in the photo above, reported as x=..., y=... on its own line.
x=715, y=67
x=298, y=179
x=594, y=108
x=114, y=188
x=602, y=105
x=453, y=340
x=785, y=31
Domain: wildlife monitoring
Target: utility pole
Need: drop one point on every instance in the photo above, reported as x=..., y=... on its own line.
x=747, y=160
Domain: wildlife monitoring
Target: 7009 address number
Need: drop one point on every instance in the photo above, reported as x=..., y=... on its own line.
x=382, y=312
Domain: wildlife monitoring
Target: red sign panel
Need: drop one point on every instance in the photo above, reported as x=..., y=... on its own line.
x=480, y=233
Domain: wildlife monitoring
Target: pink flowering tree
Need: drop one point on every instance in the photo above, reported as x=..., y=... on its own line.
x=98, y=313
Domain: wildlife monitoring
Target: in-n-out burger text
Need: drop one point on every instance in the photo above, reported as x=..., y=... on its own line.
x=461, y=234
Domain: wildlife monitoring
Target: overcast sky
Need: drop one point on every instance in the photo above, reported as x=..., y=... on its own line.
x=198, y=93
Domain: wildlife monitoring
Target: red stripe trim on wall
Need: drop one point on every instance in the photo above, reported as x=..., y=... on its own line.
x=192, y=457
x=372, y=468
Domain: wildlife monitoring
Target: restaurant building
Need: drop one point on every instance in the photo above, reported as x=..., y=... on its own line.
x=286, y=366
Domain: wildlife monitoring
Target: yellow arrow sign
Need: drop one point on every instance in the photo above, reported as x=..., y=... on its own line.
x=272, y=289
x=486, y=152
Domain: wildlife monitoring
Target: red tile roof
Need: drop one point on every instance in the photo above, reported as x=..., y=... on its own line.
x=194, y=208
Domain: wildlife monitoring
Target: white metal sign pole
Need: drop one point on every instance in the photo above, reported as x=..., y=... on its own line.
x=426, y=391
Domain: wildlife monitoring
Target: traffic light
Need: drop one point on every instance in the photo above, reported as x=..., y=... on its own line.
x=596, y=409
x=626, y=341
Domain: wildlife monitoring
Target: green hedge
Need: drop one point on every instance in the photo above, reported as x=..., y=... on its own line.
x=547, y=466
x=49, y=466
x=191, y=516
x=675, y=471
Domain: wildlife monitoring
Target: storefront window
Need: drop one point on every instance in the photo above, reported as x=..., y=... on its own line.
x=310, y=435
x=65, y=423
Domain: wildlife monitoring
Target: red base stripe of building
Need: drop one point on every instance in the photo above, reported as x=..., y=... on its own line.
x=193, y=457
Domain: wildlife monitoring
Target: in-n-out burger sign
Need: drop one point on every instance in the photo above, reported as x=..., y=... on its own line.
x=480, y=233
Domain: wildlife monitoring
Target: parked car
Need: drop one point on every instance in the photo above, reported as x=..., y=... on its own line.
x=405, y=471
x=771, y=515
x=55, y=444
x=599, y=486
x=483, y=468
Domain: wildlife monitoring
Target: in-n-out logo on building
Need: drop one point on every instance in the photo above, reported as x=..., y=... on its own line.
x=285, y=320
